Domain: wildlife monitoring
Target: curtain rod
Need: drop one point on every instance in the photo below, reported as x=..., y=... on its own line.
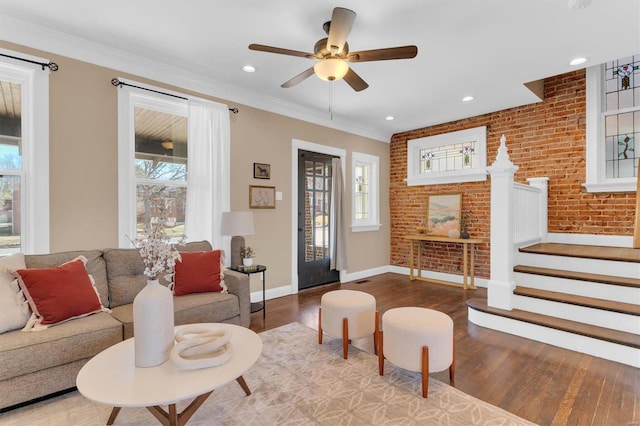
x=51, y=65
x=119, y=83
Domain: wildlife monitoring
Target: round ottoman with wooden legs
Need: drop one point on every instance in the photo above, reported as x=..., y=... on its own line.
x=417, y=339
x=348, y=314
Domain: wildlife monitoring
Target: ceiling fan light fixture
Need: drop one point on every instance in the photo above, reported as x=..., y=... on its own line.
x=331, y=69
x=167, y=145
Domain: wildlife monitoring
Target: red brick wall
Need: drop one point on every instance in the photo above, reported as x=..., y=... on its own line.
x=544, y=139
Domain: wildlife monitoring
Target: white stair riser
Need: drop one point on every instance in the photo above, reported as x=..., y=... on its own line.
x=597, y=317
x=581, y=288
x=575, y=342
x=591, y=266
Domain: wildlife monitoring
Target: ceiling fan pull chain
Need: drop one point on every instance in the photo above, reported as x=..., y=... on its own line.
x=331, y=100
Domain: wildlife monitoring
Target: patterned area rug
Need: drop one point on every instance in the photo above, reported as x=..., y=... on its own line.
x=298, y=382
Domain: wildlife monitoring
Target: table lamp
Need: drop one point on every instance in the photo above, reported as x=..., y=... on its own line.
x=237, y=225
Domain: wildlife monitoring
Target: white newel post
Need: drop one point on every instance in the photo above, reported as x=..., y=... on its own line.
x=501, y=283
x=543, y=184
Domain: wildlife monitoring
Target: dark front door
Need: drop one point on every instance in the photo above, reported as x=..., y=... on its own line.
x=314, y=205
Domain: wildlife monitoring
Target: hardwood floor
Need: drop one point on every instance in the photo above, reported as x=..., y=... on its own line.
x=541, y=383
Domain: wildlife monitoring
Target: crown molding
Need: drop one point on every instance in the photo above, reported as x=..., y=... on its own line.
x=56, y=42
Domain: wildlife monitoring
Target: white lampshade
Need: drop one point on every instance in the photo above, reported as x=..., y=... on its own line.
x=331, y=69
x=237, y=223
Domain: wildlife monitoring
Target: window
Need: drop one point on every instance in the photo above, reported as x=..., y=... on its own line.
x=156, y=147
x=175, y=153
x=364, y=204
x=613, y=125
x=24, y=156
x=451, y=157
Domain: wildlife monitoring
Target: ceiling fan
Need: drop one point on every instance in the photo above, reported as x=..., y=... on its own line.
x=332, y=53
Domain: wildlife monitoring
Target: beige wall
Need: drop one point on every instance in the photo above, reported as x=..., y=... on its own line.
x=83, y=169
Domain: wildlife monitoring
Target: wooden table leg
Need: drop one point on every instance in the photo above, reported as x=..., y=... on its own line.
x=411, y=261
x=419, y=266
x=243, y=385
x=114, y=414
x=473, y=257
x=464, y=265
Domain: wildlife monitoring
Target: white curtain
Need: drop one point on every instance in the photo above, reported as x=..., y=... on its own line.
x=337, y=218
x=208, y=184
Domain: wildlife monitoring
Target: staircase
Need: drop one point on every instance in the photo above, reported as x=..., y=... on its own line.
x=580, y=297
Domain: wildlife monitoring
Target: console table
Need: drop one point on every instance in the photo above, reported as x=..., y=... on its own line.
x=467, y=247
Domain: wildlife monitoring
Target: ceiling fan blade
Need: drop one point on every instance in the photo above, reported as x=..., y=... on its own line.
x=271, y=49
x=298, y=78
x=402, y=52
x=341, y=23
x=355, y=81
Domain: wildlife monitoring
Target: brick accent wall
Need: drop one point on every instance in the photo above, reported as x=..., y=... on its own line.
x=543, y=139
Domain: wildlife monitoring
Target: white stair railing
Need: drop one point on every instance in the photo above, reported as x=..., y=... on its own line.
x=518, y=217
x=530, y=210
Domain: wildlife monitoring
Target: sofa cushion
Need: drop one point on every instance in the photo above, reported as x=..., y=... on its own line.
x=189, y=309
x=95, y=266
x=198, y=272
x=125, y=273
x=14, y=310
x=125, y=269
x=23, y=353
x=59, y=293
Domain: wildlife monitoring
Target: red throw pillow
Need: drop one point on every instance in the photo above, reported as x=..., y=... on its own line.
x=197, y=272
x=60, y=293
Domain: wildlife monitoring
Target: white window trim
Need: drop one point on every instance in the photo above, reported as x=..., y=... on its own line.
x=35, y=236
x=128, y=99
x=373, y=164
x=595, y=173
x=477, y=174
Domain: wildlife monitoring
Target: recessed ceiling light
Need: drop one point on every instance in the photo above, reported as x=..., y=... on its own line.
x=467, y=99
x=577, y=61
x=389, y=117
x=578, y=4
x=249, y=68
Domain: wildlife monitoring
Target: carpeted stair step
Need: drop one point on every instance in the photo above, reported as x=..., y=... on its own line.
x=588, y=302
x=605, y=334
x=619, y=254
x=580, y=276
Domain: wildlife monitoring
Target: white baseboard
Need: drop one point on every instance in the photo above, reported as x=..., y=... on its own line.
x=591, y=239
x=359, y=275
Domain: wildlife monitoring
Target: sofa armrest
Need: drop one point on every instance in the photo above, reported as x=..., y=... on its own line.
x=238, y=284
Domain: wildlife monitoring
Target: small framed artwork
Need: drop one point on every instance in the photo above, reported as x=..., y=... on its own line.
x=262, y=197
x=261, y=171
x=443, y=213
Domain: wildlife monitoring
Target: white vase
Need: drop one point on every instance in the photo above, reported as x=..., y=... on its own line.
x=454, y=233
x=153, y=324
x=247, y=261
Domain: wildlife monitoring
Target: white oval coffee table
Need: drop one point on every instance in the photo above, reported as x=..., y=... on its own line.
x=111, y=378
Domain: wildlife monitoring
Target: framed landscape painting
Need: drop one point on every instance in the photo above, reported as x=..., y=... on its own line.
x=443, y=213
x=262, y=197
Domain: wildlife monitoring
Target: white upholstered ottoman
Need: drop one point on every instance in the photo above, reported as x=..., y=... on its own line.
x=417, y=339
x=348, y=314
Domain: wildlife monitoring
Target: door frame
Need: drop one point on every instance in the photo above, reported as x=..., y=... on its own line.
x=298, y=145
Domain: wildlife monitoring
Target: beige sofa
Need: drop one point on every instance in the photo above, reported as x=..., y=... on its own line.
x=38, y=363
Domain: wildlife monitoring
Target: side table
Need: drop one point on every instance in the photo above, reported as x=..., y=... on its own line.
x=255, y=307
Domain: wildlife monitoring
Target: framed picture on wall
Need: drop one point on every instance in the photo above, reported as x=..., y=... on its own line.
x=262, y=197
x=443, y=213
x=261, y=171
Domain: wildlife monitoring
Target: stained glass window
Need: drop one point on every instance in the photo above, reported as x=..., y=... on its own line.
x=458, y=156
x=622, y=117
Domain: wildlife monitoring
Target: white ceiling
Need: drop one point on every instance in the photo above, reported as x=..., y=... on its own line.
x=484, y=48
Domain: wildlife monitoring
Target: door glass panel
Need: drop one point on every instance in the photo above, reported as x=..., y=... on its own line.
x=317, y=194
